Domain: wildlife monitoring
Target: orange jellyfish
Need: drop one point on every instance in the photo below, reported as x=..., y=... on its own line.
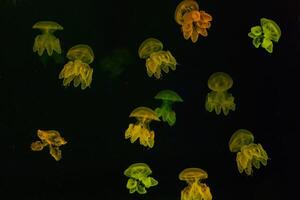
x=194, y=22
x=141, y=129
x=195, y=189
x=51, y=138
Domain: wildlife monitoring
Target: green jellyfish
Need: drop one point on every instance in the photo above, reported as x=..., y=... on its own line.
x=248, y=153
x=141, y=130
x=219, y=99
x=264, y=34
x=51, y=138
x=139, y=179
x=78, y=68
x=47, y=40
x=165, y=111
x=195, y=189
x=157, y=60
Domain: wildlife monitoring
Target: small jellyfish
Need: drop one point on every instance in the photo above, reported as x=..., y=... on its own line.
x=165, y=111
x=78, y=68
x=248, y=153
x=195, y=189
x=264, y=34
x=139, y=179
x=193, y=22
x=157, y=60
x=219, y=99
x=47, y=40
x=141, y=129
x=51, y=138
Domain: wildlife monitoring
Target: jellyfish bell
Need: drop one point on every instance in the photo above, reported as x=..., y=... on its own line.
x=191, y=175
x=47, y=26
x=81, y=52
x=219, y=82
x=149, y=46
x=184, y=7
x=144, y=114
x=239, y=139
x=271, y=29
x=168, y=95
x=137, y=170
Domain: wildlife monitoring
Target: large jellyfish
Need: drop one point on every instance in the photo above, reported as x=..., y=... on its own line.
x=264, y=34
x=51, y=138
x=219, y=99
x=248, y=153
x=78, y=68
x=47, y=40
x=141, y=129
x=156, y=58
x=165, y=111
x=139, y=179
x=193, y=21
x=195, y=189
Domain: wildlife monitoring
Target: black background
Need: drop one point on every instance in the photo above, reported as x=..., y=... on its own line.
x=93, y=121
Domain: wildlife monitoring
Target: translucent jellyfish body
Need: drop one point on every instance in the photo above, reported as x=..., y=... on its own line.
x=157, y=60
x=265, y=34
x=219, y=99
x=248, y=153
x=78, y=69
x=194, y=22
x=47, y=40
x=49, y=138
x=165, y=111
x=141, y=129
x=195, y=189
x=139, y=179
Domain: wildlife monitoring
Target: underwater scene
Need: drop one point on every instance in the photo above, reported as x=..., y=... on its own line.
x=148, y=100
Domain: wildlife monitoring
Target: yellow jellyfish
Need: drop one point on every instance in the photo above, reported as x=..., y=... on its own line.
x=248, y=153
x=219, y=99
x=193, y=22
x=51, y=138
x=47, y=40
x=78, y=68
x=141, y=130
x=157, y=60
x=139, y=179
x=195, y=189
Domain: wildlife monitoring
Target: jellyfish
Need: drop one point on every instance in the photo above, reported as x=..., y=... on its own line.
x=248, y=153
x=195, y=189
x=219, y=99
x=157, y=60
x=141, y=129
x=78, y=69
x=265, y=34
x=194, y=22
x=139, y=179
x=47, y=40
x=51, y=138
x=165, y=111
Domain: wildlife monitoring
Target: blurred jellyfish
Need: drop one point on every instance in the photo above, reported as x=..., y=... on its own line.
x=78, y=69
x=195, y=189
x=264, y=34
x=157, y=60
x=248, y=153
x=51, y=138
x=139, y=179
x=141, y=129
x=193, y=22
x=47, y=40
x=219, y=99
x=165, y=111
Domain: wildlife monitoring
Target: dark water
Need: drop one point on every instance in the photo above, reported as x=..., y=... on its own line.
x=93, y=121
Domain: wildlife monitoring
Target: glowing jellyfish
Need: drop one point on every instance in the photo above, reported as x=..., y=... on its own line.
x=47, y=40
x=165, y=111
x=49, y=138
x=78, y=69
x=194, y=22
x=219, y=99
x=141, y=129
x=157, y=60
x=195, y=189
x=248, y=153
x=265, y=34
x=139, y=179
